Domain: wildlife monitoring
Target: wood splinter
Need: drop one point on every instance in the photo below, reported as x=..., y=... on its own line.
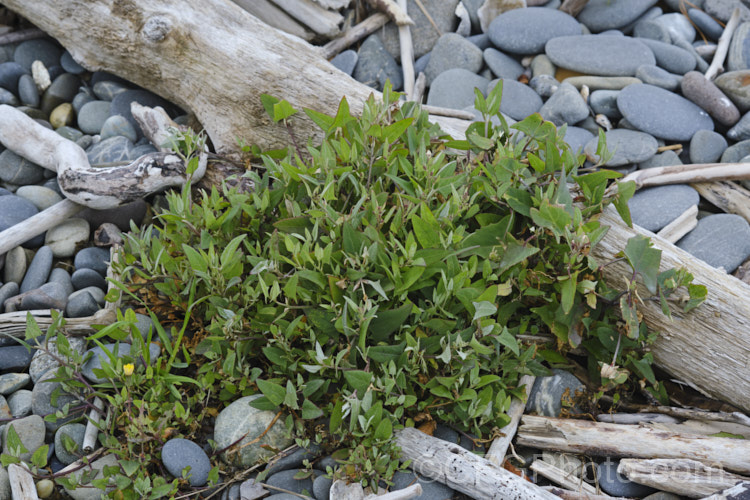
x=392, y=10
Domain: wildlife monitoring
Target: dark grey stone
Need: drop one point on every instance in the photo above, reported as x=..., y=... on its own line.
x=20, y=403
x=519, y=100
x=83, y=278
x=120, y=105
x=61, y=276
x=322, y=488
x=722, y=9
x=39, y=269
x=114, y=149
x=658, y=77
x=285, y=479
x=481, y=40
x=7, y=291
x=14, y=358
x=544, y=85
x=602, y=55
x=677, y=25
x=80, y=100
x=81, y=304
x=39, y=49
x=721, y=240
x=375, y=65
x=70, y=65
x=700, y=63
x=707, y=146
x=27, y=91
x=735, y=152
x=547, y=393
x=455, y=89
x=30, y=431
x=176, y=454
x=565, y=106
x=661, y=113
x=47, y=296
x=646, y=16
x=41, y=362
x=671, y=58
x=346, y=61
x=120, y=216
x=92, y=116
x=664, y=159
x=118, y=125
x=577, y=137
x=41, y=401
x=431, y=489
x=76, y=433
x=605, y=102
x=446, y=434
x=63, y=89
x=106, y=90
x=7, y=97
x=617, y=485
x=423, y=33
x=453, y=51
x=92, y=258
x=655, y=207
x=501, y=65
x=293, y=460
x=706, y=24
x=601, y=15
x=526, y=31
x=740, y=132
x=10, y=72
x=739, y=50
x=17, y=170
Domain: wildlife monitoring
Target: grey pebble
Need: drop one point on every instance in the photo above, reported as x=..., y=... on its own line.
x=705, y=23
x=617, y=485
x=565, y=106
x=38, y=49
x=92, y=258
x=677, y=25
x=42, y=197
x=720, y=240
x=526, y=31
x=114, y=149
x=431, y=489
x=707, y=146
x=41, y=362
x=30, y=431
x=20, y=403
x=576, y=138
x=92, y=116
x=346, y=61
x=12, y=382
x=501, y=65
x=739, y=51
x=708, y=96
x=375, y=65
x=106, y=90
x=455, y=89
x=544, y=85
x=83, y=278
x=664, y=159
x=70, y=65
x=63, y=89
x=27, y=91
x=605, y=102
x=601, y=15
x=654, y=75
x=453, y=51
x=39, y=269
x=41, y=401
x=15, y=169
x=10, y=72
x=601, y=55
x=81, y=304
x=62, y=277
x=7, y=291
x=736, y=85
x=547, y=393
x=626, y=146
x=118, y=125
x=76, y=433
x=81, y=99
x=740, y=132
x=653, y=208
x=518, y=100
x=285, y=479
x=423, y=33
x=322, y=487
x=735, y=152
x=673, y=59
x=177, y=454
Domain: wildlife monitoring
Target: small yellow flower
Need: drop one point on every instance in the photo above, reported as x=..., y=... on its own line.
x=128, y=369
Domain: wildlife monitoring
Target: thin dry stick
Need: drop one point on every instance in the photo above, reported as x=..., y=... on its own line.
x=681, y=174
x=92, y=428
x=407, y=55
x=419, y=87
x=717, y=64
x=671, y=147
x=681, y=226
x=354, y=34
x=428, y=16
x=453, y=113
x=499, y=447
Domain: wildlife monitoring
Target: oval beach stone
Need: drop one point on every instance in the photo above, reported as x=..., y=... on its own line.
x=627, y=146
x=655, y=207
x=525, y=31
x=661, y=113
x=720, y=240
x=601, y=15
x=602, y=55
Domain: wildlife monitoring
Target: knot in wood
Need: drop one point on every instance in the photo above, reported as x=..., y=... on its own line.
x=157, y=28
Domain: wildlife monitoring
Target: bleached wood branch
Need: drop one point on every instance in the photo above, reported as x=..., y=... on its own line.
x=354, y=34
x=22, y=484
x=21, y=36
x=636, y=418
x=419, y=87
x=92, y=429
x=499, y=447
x=684, y=477
x=392, y=10
x=412, y=491
x=270, y=14
x=449, y=112
x=728, y=196
x=462, y=470
x=717, y=63
x=559, y=476
x=681, y=226
x=575, y=495
x=736, y=492
x=683, y=174
x=596, y=438
x=37, y=224
x=407, y=54
x=322, y=21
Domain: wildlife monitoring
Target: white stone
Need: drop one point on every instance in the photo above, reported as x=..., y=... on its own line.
x=64, y=238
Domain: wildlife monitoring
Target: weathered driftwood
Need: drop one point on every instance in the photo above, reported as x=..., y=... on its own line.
x=736, y=492
x=596, y=438
x=393, y=10
x=636, y=418
x=22, y=484
x=209, y=56
x=462, y=470
x=728, y=196
x=681, y=226
x=499, y=447
x=92, y=426
x=341, y=490
x=97, y=188
x=575, y=495
x=37, y=224
x=717, y=63
x=270, y=14
x=684, y=477
x=559, y=476
x=683, y=174
x=353, y=34
x=407, y=54
x=322, y=21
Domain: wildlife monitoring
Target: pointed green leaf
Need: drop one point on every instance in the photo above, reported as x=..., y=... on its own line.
x=384, y=430
x=197, y=261
x=310, y=411
x=359, y=380
x=644, y=259
x=568, y=292
x=273, y=391
x=625, y=191
x=483, y=309
x=282, y=110
x=321, y=120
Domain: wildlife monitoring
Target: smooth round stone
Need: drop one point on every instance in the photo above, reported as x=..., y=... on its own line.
x=604, y=102
x=375, y=65
x=482, y=40
x=678, y=25
x=526, y=31
x=92, y=116
x=734, y=153
x=671, y=58
x=322, y=487
x=7, y=97
x=721, y=240
x=708, y=96
x=627, y=146
x=76, y=433
x=17, y=170
x=27, y=91
x=70, y=133
x=84, y=278
x=455, y=89
x=740, y=132
x=577, y=138
x=7, y=291
x=547, y=393
x=47, y=296
x=285, y=480
x=39, y=49
x=544, y=85
x=62, y=90
x=240, y=421
x=121, y=103
x=93, y=258
x=602, y=82
x=421, y=63
x=97, y=356
x=518, y=100
x=145, y=325
x=736, y=85
x=70, y=65
x=602, y=55
x=565, y=106
x=617, y=485
x=12, y=382
x=453, y=51
x=706, y=24
x=4, y=412
x=655, y=207
x=654, y=75
x=739, y=49
x=540, y=65
x=20, y=403
x=81, y=304
x=42, y=197
x=62, y=116
x=180, y=453
x=30, y=431
x=45, y=488
x=80, y=100
x=601, y=15
x=114, y=149
x=64, y=238
x=722, y=9
x=41, y=362
x=41, y=401
x=431, y=489
x=118, y=125
x=61, y=276
x=665, y=159
x=293, y=460
x=10, y=72
x=346, y=61
x=651, y=30
x=106, y=90
x=39, y=269
x=15, y=265
x=501, y=65
x=120, y=216
x=707, y=146
x=661, y=113
x=141, y=150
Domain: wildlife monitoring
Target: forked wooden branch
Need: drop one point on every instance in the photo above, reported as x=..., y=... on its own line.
x=21, y=483
x=462, y=470
x=353, y=35
x=596, y=438
x=37, y=224
x=728, y=196
x=684, y=477
x=392, y=10
x=499, y=447
x=717, y=63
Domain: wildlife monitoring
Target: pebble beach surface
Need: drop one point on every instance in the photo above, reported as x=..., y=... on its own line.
x=633, y=68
